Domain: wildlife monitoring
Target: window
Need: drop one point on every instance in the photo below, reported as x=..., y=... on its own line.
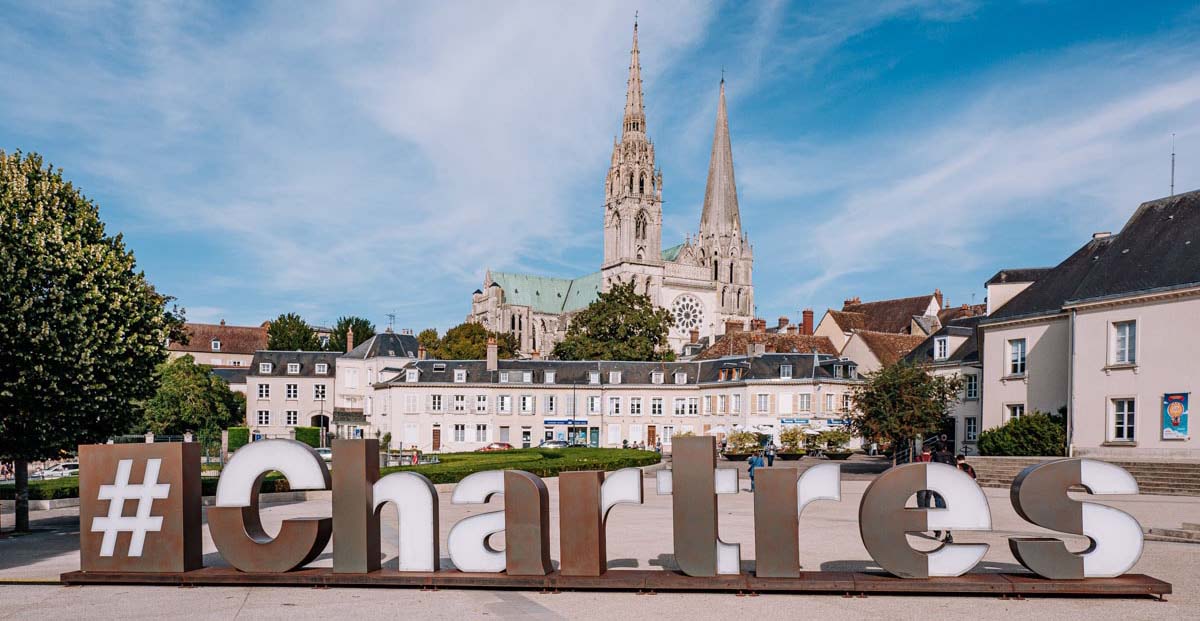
x=941, y=347
x=410, y=375
x=680, y=406
x=264, y=368
x=708, y=404
x=680, y=377
x=785, y=371
x=847, y=402
x=460, y=433
x=762, y=402
x=370, y=377
x=668, y=432
x=614, y=377
x=352, y=378
x=722, y=404
x=293, y=418
x=460, y=403
x=614, y=406
x=1123, y=420
x=435, y=403
x=1016, y=357
x=548, y=377
x=593, y=405
x=656, y=405
x=460, y=376
x=735, y=406
x=481, y=403
x=1125, y=342
x=971, y=386
x=410, y=404
x=504, y=404
x=264, y=391
x=829, y=402
x=235, y=363
x=837, y=370
x=322, y=368
x=1015, y=410
x=293, y=368
x=481, y=433
x=693, y=406
x=656, y=377
x=504, y=377
x=318, y=392
x=216, y=344
x=264, y=417
x=635, y=406
x=527, y=377
x=971, y=428
x=293, y=391
x=439, y=367
x=527, y=404
x=805, y=402
x=551, y=404
x=593, y=377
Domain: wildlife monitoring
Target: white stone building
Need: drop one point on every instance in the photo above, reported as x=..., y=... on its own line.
x=704, y=281
x=374, y=361
x=953, y=350
x=287, y=389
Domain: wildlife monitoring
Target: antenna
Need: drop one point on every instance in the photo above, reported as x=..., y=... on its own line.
x=391, y=320
x=1172, y=163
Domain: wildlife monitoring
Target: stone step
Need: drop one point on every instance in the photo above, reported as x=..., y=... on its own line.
x=1167, y=539
x=1177, y=533
x=1191, y=526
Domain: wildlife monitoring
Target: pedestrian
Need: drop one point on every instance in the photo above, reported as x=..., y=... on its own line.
x=755, y=461
x=941, y=455
x=658, y=447
x=961, y=462
x=771, y=454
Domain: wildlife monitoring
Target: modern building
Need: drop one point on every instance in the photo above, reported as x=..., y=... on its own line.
x=703, y=281
x=376, y=360
x=953, y=350
x=1111, y=334
x=461, y=405
x=219, y=345
x=287, y=389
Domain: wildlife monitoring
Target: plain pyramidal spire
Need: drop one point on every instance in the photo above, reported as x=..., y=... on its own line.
x=720, y=215
x=635, y=112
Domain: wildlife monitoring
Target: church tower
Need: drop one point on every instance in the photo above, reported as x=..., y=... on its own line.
x=633, y=187
x=724, y=248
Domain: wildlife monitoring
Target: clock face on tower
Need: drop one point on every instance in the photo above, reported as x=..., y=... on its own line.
x=688, y=312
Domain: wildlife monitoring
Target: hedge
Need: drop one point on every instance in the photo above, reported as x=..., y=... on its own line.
x=238, y=437
x=1032, y=435
x=309, y=435
x=453, y=468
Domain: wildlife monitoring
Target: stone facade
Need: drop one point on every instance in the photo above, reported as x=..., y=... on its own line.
x=704, y=281
x=287, y=389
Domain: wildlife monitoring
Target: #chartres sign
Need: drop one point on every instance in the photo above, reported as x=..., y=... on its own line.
x=163, y=532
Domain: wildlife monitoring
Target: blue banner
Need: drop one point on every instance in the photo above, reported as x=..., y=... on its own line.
x=1175, y=416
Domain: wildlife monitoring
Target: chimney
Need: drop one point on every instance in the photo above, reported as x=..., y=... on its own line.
x=493, y=354
x=349, y=340
x=783, y=323
x=222, y=322
x=851, y=302
x=733, y=325
x=422, y=353
x=535, y=355
x=694, y=334
x=793, y=329
x=758, y=325
x=937, y=293
x=806, y=325
x=770, y=348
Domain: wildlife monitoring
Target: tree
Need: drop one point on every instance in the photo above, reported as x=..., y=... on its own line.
x=429, y=338
x=289, y=332
x=1033, y=435
x=468, y=341
x=620, y=325
x=361, y=328
x=190, y=398
x=902, y=401
x=81, y=331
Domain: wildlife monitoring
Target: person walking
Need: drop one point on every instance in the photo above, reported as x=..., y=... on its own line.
x=755, y=462
x=961, y=462
x=770, y=454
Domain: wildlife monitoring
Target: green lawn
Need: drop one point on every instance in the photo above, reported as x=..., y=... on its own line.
x=453, y=468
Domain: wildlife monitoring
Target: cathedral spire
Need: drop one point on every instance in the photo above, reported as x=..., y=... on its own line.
x=635, y=112
x=720, y=215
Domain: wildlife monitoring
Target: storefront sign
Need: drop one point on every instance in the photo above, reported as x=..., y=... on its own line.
x=794, y=421
x=160, y=484
x=1175, y=416
x=551, y=422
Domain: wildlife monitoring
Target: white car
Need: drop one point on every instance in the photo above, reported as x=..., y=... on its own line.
x=326, y=454
x=68, y=469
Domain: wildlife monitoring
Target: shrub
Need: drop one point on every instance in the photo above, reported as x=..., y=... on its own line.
x=1033, y=435
x=834, y=439
x=792, y=440
x=238, y=437
x=742, y=442
x=309, y=435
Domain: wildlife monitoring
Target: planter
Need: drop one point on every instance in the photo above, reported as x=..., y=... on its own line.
x=789, y=456
x=838, y=456
x=737, y=456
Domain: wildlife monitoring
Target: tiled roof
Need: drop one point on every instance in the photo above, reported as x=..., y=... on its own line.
x=966, y=353
x=234, y=339
x=946, y=315
x=887, y=347
x=672, y=253
x=737, y=344
x=307, y=360
x=849, y=321
x=893, y=316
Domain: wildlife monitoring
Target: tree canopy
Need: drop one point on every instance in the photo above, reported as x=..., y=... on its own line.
x=81, y=330
x=902, y=401
x=289, y=332
x=466, y=341
x=620, y=325
x=362, y=329
x=190, y=398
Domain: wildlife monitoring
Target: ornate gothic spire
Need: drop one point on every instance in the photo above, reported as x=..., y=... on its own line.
x=720, y=215
x=635, y=112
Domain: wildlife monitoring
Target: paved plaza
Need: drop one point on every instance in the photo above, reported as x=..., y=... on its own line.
x=639, y=537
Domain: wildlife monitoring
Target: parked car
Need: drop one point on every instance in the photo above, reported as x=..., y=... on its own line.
x=495, y=446
x=66, y=469
x=326, y=454
x=554, y=444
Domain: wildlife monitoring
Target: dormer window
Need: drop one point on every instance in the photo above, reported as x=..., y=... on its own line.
x=680, y=377
x=548, y=377
x=527, y=377
x=293, y=368
x=941, y=348
x=504, y=377
x=460, y=375
x=614, y=377
x=410, y=375
x=838, y=370
x=593, y=377
x=785, y=371
x=264, y=368
x=216, y=344
x=656, y=377
x=439, y=367
x=322, y=368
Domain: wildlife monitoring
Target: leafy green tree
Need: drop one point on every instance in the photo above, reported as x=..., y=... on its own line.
x=620, y=325
x=430, y=339
x=902, y=401
x=289, y=332
x=362, y=329
x=81, y=330
x=190, y=398
x=468, y=341
x=1033, y=435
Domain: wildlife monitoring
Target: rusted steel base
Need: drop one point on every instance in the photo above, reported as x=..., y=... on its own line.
x=637, y=580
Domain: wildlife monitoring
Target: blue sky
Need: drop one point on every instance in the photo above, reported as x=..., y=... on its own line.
x=363, y=158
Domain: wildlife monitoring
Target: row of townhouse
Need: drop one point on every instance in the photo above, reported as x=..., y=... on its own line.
x=459, y=405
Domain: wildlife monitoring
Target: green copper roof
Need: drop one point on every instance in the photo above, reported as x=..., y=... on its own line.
x=548, y=295
x=672, y=253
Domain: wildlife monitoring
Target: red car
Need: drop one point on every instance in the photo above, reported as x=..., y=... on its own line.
x=495, y=446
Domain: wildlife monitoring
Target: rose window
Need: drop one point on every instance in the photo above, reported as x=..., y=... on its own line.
x=688, y=312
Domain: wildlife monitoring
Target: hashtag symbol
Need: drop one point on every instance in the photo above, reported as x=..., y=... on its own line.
x=141, y=523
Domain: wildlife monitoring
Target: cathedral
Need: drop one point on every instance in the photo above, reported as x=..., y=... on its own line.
x=704, y=281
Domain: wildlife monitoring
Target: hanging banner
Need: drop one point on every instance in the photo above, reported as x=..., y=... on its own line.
x=1175, y=416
